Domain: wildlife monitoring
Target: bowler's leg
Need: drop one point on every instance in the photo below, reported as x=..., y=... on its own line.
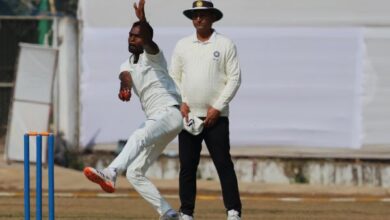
x=136, y=176
x=163, y=124
x=166, y=125
x=133, y=147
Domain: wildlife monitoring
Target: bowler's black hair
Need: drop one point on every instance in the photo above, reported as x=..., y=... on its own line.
x=138, y=23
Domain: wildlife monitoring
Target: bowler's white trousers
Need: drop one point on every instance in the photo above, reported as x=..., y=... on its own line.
x=143, y=148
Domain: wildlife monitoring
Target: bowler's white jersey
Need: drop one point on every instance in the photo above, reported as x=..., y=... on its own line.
x=151, y=82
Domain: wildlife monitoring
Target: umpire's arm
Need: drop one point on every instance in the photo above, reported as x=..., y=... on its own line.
x=233, y=73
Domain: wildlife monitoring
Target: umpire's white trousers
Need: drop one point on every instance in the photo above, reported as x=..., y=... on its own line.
x=143, y=148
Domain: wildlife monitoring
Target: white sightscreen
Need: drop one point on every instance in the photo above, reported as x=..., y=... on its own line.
x=32, y=99
x=376, y=111
x=301, y=86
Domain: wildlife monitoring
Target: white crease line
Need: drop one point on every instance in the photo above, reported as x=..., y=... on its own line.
x=116, y=195
x=290, y=199
x=65, y=195
x=7, y=194
x=385, y=200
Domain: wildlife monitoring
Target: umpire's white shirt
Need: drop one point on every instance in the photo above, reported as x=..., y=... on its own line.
x=151, y=82
x=207, y=73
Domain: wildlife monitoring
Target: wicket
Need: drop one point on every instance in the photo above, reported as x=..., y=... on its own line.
x=50, y=163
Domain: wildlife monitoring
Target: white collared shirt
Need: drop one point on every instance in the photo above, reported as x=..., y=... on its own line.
x=207, y=73
x=151, y=82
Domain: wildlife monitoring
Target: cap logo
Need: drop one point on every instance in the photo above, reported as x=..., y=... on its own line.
x=200, y=3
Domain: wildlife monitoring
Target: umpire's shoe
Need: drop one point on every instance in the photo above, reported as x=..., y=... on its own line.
x=183, y=216
x=233, y=215
x=102, y=177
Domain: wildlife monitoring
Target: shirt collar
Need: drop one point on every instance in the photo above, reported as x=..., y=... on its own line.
x=210, y=40
x=140, y=59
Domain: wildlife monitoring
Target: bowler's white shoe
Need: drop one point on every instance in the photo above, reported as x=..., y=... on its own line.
x=183, y=216
x=170, y=215
x=233, y=215
x=104, y=178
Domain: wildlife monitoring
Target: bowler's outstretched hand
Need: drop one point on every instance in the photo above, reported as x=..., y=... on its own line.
x=146, y=32
x=140, y=10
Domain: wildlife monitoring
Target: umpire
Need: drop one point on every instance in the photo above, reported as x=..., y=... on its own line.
x=206, y=69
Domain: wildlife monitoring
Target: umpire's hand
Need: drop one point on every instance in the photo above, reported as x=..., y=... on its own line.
x=212, y=117
x=185, y=110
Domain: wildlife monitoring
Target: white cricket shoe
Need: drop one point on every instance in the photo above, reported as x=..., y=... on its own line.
x=183, y=216
x=233, y=215
x=170, y=215
x=104, y=178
